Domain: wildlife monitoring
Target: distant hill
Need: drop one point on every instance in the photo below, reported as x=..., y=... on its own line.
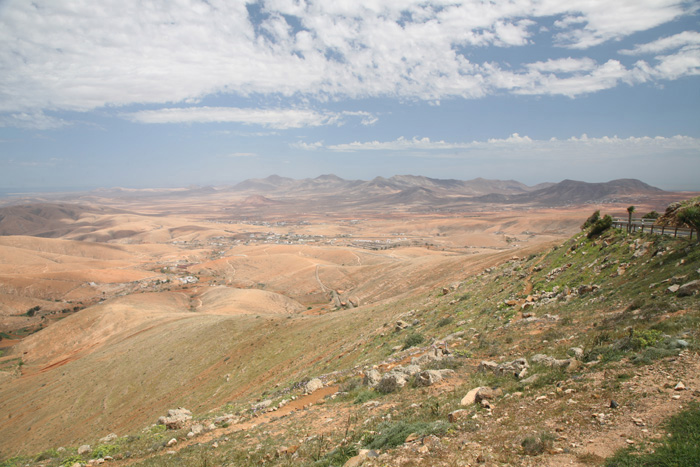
x=576, y=192
x=419, y=190
x=46, y=220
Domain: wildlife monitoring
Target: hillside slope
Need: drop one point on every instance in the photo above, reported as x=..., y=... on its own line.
x=627, y=303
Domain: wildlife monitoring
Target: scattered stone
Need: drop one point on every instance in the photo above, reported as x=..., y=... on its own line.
x=689, y=288
x=391, y=381
x=485, y=366
x=517, y=368
x=412, y=437
x=400, y=325
x=372, y=378
x=261, y=405
x=614, y=404
x=430, y=377
x=530, y=380
x=108, y=439
x=470, y=398
x=226, y=418
x=458, y=415
x=171, y=443
x=84, y=449
x=679, y=387
x=313, y=385
x=176, y=418
x=360, y=458
x=673, y=288
x=408, y=370
x=638, y=421
x=576, y=352
x=489, y=394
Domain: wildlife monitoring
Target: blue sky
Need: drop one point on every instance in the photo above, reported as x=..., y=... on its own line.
x=166, y=94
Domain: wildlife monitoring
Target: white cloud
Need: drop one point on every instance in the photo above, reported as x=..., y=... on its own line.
x=35, y=120
x=665, y=43
x=273, y=118
x=307, y=146
x=79, y=56
x=524, y=146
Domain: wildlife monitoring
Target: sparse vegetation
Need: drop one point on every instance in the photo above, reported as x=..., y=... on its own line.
x=391, y=434
x=600, y=226
x=595, y=217
x=413, y=339
x=680, y=448
x=536, y=445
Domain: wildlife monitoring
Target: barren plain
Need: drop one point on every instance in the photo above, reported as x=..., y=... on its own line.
x=118, y=305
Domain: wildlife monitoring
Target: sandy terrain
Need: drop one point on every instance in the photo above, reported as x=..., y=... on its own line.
x=140, y=312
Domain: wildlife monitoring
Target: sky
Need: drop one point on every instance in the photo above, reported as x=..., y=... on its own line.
x=174, y=93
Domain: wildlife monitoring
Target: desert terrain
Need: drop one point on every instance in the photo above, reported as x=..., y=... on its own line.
x=117, y=305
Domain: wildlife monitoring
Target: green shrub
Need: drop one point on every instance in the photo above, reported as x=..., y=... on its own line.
x=69, y=461
x=681, y=448
x=413, y=339
x=365, y=395
x=536, y=445
x=46, y=455
x=104, y=450
x=391, y=434
x=600, y=226
x=591, y=220
x=445, y=321
x=158, y=429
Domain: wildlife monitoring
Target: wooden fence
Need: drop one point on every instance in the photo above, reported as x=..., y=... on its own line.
x=647, y=225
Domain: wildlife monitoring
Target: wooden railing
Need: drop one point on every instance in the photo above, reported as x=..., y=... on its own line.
x=647, y=225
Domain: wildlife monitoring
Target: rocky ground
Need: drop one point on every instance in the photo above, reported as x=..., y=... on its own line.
x=555, y=359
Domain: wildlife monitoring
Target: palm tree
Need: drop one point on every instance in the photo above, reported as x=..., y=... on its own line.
x=630, y=210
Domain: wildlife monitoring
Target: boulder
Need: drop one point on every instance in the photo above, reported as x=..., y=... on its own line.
x=176, y=418
x=84, y=449
x=313, y=385
x=673, y=288
x=470, y=398
x=517, y=368
x=552, y=362
x=487, y=394
x=372, y=378
x=108, y=439
x=430, y=377
x=486, y=366
x=408, y=370
x=689, y=288
x=360, y=458
x=458, y=415
x=261, y=405
x=391, y=381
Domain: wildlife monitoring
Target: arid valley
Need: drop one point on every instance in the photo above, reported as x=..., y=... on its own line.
x=118, y=305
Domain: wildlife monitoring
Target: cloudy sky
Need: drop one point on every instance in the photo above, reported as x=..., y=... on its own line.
x=177, y=92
